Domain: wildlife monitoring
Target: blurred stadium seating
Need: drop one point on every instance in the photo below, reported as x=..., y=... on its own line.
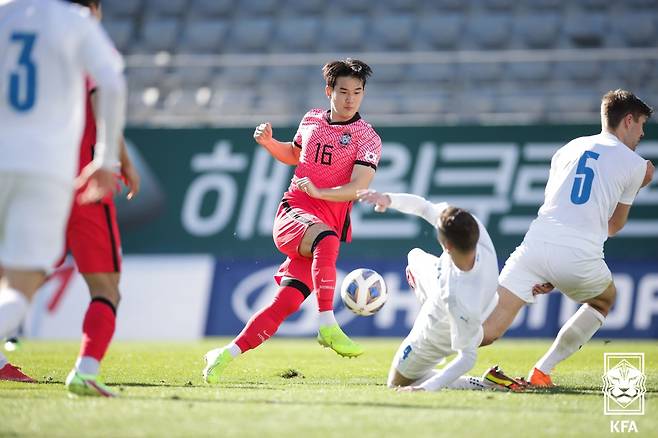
x=236, y=62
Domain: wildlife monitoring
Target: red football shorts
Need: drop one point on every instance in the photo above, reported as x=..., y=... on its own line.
x=298, y=268
x=92, y=237
x=290, y=225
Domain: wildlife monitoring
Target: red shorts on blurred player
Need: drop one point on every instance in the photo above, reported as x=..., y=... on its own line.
x=92, y=236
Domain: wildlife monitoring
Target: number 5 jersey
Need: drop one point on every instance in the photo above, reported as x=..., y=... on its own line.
x=589, y=176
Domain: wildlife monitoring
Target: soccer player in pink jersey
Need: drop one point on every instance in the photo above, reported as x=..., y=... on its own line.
x=336, y=154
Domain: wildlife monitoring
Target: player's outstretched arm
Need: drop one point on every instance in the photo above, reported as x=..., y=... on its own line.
x=405, y=203
x=361, y=178
x=381, y=201
x=286, y=152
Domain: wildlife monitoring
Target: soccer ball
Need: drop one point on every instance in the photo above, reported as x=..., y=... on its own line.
x=363, y=291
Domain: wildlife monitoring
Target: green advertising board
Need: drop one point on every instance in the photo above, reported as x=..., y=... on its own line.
x=216, y=191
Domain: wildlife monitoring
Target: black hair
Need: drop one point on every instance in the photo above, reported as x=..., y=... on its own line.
x=347, y=67
x=459, y=227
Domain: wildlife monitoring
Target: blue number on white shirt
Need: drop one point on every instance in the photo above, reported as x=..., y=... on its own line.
x=23, y=80
x=582, y=183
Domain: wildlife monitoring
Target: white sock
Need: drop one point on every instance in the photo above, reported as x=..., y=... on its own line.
x=463, y=382
x=233, y=349
x=327, y=318
x=469, y=382
x=87, y=365
x=13, y=307
x=574, y=334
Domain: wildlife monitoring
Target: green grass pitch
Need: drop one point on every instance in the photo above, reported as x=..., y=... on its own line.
x=295, y=388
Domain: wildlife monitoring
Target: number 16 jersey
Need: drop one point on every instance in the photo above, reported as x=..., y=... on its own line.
x=329, y=152
x=589, y=176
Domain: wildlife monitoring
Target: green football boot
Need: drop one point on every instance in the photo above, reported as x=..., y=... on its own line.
x=333, y=337
x=87, y=385
x=216, y=361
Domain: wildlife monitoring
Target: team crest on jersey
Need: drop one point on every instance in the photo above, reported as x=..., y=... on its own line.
x=345, y=138
x=371, y=156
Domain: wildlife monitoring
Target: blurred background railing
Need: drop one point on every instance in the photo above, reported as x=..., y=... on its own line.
x=235, y=63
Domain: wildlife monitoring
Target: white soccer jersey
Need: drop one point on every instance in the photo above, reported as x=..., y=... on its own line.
x=463, y=299
x=589, y=176
x=457, y=303
x=46, y=49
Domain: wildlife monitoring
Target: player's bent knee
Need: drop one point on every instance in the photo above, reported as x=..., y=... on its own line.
x=414, y=255
x=491, y=334
x=312, y=237
x=114, y=299
x=395, y=379
x=604, y=302
x=488, y=340
x=110, y=294
x=603, y=307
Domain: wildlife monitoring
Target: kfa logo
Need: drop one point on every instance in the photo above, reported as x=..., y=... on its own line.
x=623, y=426
x=623, y=383
x=345, y=138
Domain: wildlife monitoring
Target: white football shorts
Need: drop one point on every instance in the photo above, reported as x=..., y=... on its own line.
x=422, y=350
x=429, y=340
x=580, y=274
x=34, y=210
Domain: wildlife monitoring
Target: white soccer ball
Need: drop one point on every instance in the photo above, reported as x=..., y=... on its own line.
x=363, y=291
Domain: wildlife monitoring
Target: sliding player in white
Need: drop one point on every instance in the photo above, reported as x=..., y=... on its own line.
x=46, y=49
x=457, y=291
x=591, y=186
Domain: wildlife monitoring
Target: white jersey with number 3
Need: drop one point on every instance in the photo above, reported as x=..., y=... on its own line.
x=46, y=49
x=589, y=176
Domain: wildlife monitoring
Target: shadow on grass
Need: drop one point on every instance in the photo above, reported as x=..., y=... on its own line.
x=581, y=390
x=338, y=403
x=243, y=385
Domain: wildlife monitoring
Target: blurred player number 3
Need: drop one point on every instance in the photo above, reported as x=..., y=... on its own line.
x=623, y=388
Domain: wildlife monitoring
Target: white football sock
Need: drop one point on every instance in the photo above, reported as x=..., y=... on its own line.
x=13, y=307
x=87, y=365
x=463, y=382
x=233, y=349
x=574, y=334
x=327, y=318
x=469, y=382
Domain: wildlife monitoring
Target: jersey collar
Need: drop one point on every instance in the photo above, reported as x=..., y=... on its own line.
x=610, y=136
x=327, y=116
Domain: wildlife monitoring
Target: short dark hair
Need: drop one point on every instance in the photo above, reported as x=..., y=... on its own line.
x=459, y=228
x=617, y=104
x=346, y=67
x=87, y=3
